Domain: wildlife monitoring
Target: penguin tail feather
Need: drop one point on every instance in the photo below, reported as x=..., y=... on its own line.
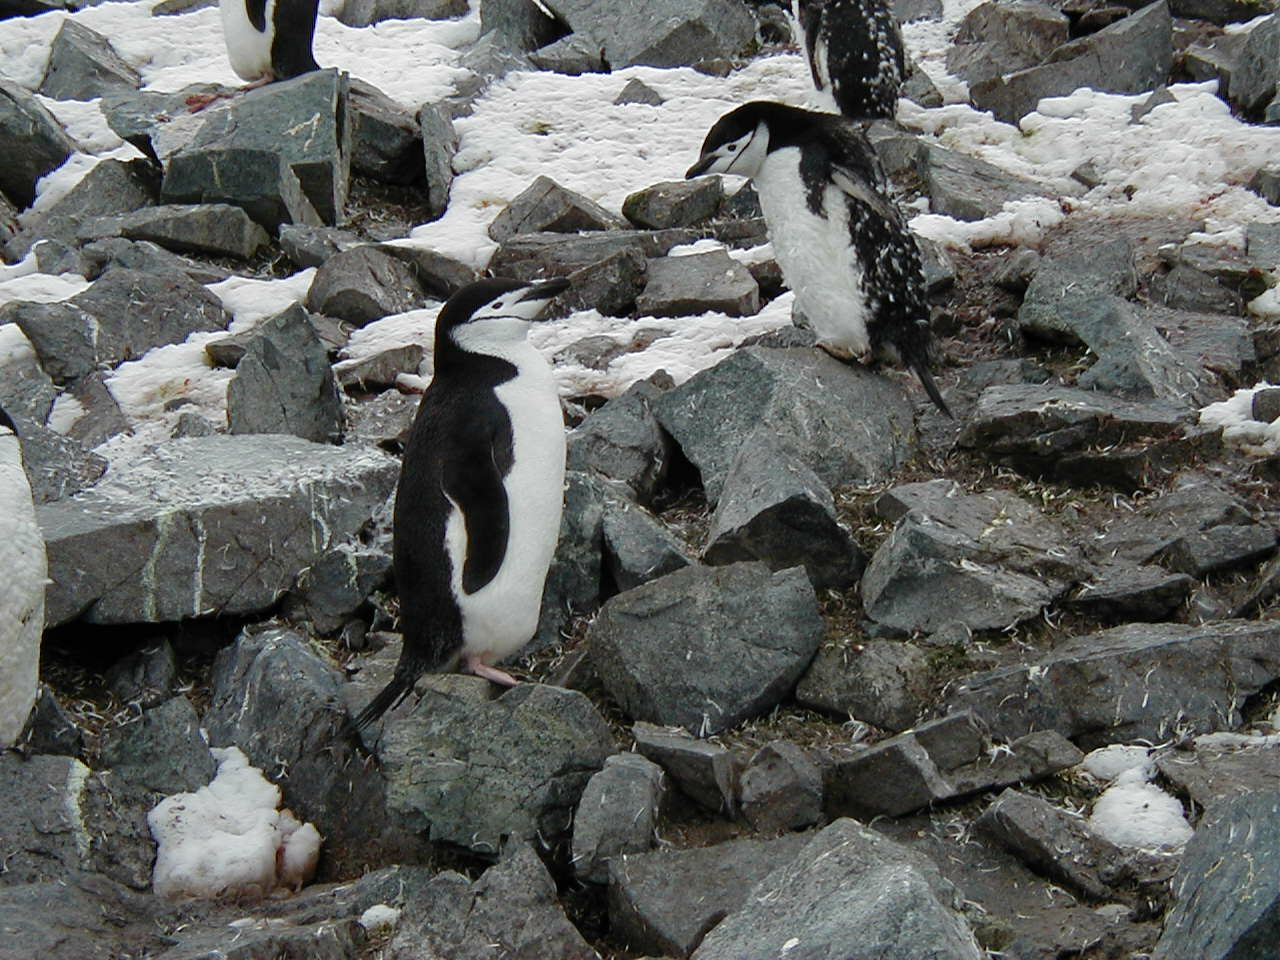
x=931, y=387
x=391, y=696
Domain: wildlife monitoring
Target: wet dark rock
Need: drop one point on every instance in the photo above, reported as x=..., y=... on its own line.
x=1129, y=683
x=880, y=682
x=43, y=832
x=309, y=246
x=1253, y=82
x=781, y=789
x=966, y=188
x=83, y=65
x=999, y=38
x=1185, y=288
x=545, y=206
x=847, y=885
x=1220, y=12
x=379, y=370
x=362, y=285
x=1106, y=268
x=335, y=586
x=623, y=442
x=680, y=203
x=638, y=547
x=1130, y=56
x=363, y=13
x=1121, y=592
x=664, y=902
x=148, y=677
x=36, y=143
x=703, y=771
x=1226, y=891
x=662, y=34
x=706, y=648
x=130, y=549
x=572, y=56
x=214, y=229
x=472, y=771
x=637, y=91
x=57, y=466
x=618, y=814
x=699, y=283
x=846, y=423
x=439, y=144
x=284, y=384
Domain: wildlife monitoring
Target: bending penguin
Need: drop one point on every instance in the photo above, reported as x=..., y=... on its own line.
x=269, y=39
x=855, y=51
x=477, y=512
x=840, y=239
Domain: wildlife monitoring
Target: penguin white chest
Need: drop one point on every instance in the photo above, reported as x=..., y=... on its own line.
x=248, y=48
x=22, y=561
x=816, y=252
x=500, y=617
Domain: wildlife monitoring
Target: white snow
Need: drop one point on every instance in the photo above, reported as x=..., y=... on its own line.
x=41, y=287
x=379, y=918
x=229, y=839
x=1235, y=416
x=22, y=559
x=1106, y=764
x=1136, y=814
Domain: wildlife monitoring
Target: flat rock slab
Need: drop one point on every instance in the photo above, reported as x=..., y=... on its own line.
x=699, y=283
x=1212, y=772
x=83, y=65
x=206, y=525
x=666, y=33
x=527, y=256
x=36, y=143
x=680, y=203
x=705, y=772
x=472, y=771
x=215, y=229
x=1130, y=683
x=1123, y=592
x=966, y=188
x=846, y=423
x=706, y=648
x=1104, y=269
x=883, y=682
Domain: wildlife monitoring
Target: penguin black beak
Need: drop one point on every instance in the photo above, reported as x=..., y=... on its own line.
x=699, y=168
x=545, y=289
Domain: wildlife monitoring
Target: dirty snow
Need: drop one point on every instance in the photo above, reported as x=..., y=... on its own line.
x=1235, y=416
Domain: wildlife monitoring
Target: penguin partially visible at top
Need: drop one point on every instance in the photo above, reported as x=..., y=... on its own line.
x=839, y=237
x=477, y=512
x=855, y=51
x=269, y=39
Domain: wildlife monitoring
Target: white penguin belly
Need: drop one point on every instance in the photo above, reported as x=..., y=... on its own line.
x=815, y=253
x=248, y=49
x=22, y=561
x=500, y=617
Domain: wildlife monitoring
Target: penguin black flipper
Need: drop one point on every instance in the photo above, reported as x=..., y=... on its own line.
x=295, y=23
x=256, y=11
x=472, y=479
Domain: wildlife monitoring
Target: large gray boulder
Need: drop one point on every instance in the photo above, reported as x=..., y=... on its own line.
x=967, y=188
x=1254, y=81
x=83, y=65
x=362, y=285
x=139, y=547
x=665, y=33
x=622, y=441
x=706, y=648
x=1101, y=269
x=386, y=140
x=999, y=38
x=36, y=143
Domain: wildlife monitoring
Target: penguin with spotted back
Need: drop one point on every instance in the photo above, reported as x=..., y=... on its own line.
x=477, y=512
x=269, y=39
x=855, y=52
x=840, y=239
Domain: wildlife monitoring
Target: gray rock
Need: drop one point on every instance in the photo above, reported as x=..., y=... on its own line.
x=1226, y=891
x=664, y=902
x=142, y=117
x=618, y=814
x=781, y=789
x=573, y=56
x=846, y=423
x=100, y=418
x=386, y=141
x=362, y=13
x=1266, y=184
x=703, y=771
x=1220, y=12
x=848, y=885
x=384, y=420
x=8, y=222
x=256, y=939
x=706, y=648
x=56, y=466
x=521, y=24
x=699, y=283
x=336, y=585
x=192, y=424
x=80, y=916
x=262, y=182
x=99, y=256
x=908, y=10
x=623, y=442
x=999, y=38
x=472, y=771
x=148, y=677
x=362, y=285
x=952, y=741
x=892, y=778
x=610, y=286
x=44, y=832
x=637, y=91
x=50, y=729
x=638, y=547
x=309, y=246
x=438, y=275
x=83, y=65
x=527, y=256
x=1033, y=757
x=133, y=549
x=880, y=682
x=546, y=206
x=1132, y=55
x=1266, y=404
x=1103, y=269
x=36, y=142
x=919, y=88
x=439, y=144
x=215, y=229
x=775, y=509
x=305, y=121
x=1209, y=773
x=1121, y=592
x=662, y=34
x=1221, y=548
x=1129, y=683
x=379, y=370
x=1185, y=288
x=1253, y=82
x=172, y=8
x=680, y=203
x=1216, y=58
x=26, y=392
x=967, y=188
x=161, y=751
x=284, y=384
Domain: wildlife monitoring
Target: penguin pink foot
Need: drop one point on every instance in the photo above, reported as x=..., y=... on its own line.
x=473, y=664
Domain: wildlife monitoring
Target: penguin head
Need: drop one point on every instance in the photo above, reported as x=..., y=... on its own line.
x=738, y=143
x=490, y=315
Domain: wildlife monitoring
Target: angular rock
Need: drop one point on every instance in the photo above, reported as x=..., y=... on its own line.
x=1121, y=592
x=1129, y=683
x=952, y=741
x=386, y=141
x=637, y=91
x=999, y=38
x=56, y=466
x=699, y=283
x=610, y=286
x=664, y=902
x=681, y=203
x=638, y=547
x=1106, y=268
x=1266, y=184
x=572, y=56
x=1033, y=757
x=148, y=677
x=781, y=789
x=848, y=885
x=36, y=143
x=527, y=256
x=380, y=370
x=618, y=814
x=705, y=772
x=134, y=548
x=880, y=682
x=892, y=778
x=1219, y=767
x=363, y=13
x=309, y=246
x=661, y=34
x=847, y=424
x=162, y=751
x=362, y=285
x=1185, y=288
x=99, y=256
x=1220, y=12
x=284, y=384
x=1221, y=548
x=215, y=229
x=438, y=275
x=706, y=648
x=44, y=832
x=1254, y=81
x=622, y=441
x=100, y=416
x=255, y=939
x=521, y=24
x=546, y=206
x=83, y=65
x=262, y=182
x=336, y=585
x=440, y=144
x=966, y=188
x=384, y=420
x=775, y=509
x=473, y=771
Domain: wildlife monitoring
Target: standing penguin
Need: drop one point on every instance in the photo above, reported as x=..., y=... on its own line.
x=269, y=39
x=840, y=239
x=477, y=512
x=855, y=51
x=22, y=561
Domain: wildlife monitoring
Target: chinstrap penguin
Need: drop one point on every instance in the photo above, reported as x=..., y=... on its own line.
x=477, y=511
x=840, y=239
x=855, y=53
x=269, y=39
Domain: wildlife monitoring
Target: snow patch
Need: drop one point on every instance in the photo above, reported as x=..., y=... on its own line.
x=1235, y=416
x=379, y=918
x=1139, y=815
x=1108, y=763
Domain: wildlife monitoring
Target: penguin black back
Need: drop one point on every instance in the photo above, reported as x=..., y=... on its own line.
x=855, y=50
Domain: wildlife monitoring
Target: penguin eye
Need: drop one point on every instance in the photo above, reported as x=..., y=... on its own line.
x=733, y=148
x=496, y=305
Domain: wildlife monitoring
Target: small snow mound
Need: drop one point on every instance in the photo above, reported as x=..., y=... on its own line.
x=229, y=839
x=1140, y=815
x=1108, y=763
x=1235, y=417
x=379, y=918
